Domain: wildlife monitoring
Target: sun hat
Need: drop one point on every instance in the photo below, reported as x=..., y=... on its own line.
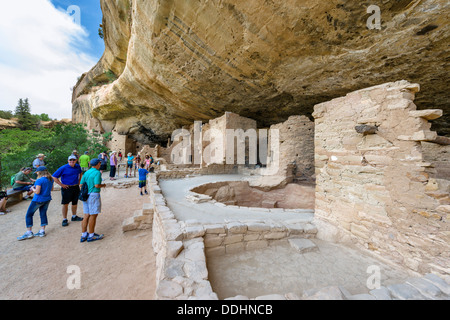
x=41, y=169
x=129, y=154
x=40, y=155
x=95, y=162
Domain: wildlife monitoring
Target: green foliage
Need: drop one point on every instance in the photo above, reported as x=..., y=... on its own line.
x=19, y=148
x=44, y=117
x=6, y=114
x=26, y=120
x=100, y=32
x=110, y=76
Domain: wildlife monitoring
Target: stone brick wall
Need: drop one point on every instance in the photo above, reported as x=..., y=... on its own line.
x=371, y=187
x=296, y=149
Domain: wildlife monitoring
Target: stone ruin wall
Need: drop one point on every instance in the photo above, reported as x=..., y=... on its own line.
x=376, y=188
x=296, y=149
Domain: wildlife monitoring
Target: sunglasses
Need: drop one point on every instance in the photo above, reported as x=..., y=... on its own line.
x=72, y=160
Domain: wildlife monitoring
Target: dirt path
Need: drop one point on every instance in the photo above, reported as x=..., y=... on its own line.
x=121, y=266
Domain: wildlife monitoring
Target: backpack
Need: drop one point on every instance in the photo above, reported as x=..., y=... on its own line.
x=13, y=179
x=84, y=195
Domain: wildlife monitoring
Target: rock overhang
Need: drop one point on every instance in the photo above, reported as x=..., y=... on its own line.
x=168, y=64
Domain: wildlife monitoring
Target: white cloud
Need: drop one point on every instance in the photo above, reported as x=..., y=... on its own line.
x=41, y=56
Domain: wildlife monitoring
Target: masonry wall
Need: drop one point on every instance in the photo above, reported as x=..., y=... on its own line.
x=371, y=187
x=296, y=149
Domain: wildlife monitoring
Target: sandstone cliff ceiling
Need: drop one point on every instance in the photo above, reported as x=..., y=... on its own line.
x=168, y=63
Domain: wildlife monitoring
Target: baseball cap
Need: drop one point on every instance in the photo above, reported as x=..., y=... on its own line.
x=94, y=162
x=72, y=157
x=41, y=169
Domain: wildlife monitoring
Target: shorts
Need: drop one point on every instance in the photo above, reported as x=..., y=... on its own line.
x=130, y=165
x=142, y=183
x=93, y=205
x=103, y=167
x=70, y=195
x=84, y=169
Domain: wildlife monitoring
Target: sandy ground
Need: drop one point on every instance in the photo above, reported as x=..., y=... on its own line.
x=120, y=266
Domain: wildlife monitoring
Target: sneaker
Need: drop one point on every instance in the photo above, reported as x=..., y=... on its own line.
x=77, y=218
x=146, y=192
x=83, y=239
x=27, y=235
x=65, y=223
x=2, y=213
x=41, y=233
x=95, y=237
x=141, y=194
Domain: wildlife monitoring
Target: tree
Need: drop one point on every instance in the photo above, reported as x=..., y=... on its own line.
x=6, y=114
x=26, y=120
x=18, y=148
x=44, y=117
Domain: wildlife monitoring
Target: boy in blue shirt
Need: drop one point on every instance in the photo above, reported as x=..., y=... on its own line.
x=143, y=178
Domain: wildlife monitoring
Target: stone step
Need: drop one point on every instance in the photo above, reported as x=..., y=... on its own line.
x=147, y=208
x=303, y=245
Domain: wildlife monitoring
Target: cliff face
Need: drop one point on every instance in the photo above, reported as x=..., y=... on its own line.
x=169, y=63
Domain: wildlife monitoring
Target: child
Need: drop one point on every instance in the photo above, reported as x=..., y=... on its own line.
x=143, y=178
x=130, y=160
x=43, y=195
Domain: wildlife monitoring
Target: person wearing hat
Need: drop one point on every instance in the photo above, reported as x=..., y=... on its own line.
x=75, y=153
x=93, y=205
x=39, y=161
x=68, y=177
x=103, y=157
x=42, y=196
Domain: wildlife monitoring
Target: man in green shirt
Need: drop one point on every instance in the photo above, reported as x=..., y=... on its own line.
x=84, y=162
x=92, y=207
x=23, y=182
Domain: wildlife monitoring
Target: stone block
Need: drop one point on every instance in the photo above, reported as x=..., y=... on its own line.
x=234, y=247
x=257, y=227
x=428, y=114
x=215, y=251
x=425, y=287
x=147, y=208
x=174, y=248
x=196, y=270
x=438, y=282
x=216, y=228
x=168, y=289
x=236, y=227
x=303, y=245
x=213, y=240
x=129, y=224
x=234, y=238
x=257, y=244
x=194, y=232
x=382, y=293
x=275, y=235
x=404, y=291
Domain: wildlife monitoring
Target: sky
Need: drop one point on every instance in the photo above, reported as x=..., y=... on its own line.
x=44, y=48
